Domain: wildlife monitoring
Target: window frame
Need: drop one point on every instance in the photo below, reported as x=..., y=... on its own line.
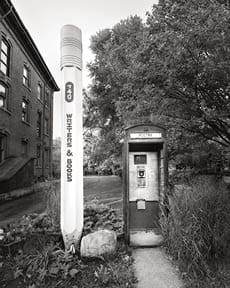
x=6, y=97
x=46, y=126
x=39, y=128
x=5, y=63
x=46, y=98
x=27, y=118
x=26, y=78
x=3, y=144
x=39, y=157
x=39, y=92
x=47, y=157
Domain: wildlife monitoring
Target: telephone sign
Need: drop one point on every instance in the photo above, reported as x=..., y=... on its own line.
x=144, y=135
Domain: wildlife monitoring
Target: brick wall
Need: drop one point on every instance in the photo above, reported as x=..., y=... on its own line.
x=11, y=122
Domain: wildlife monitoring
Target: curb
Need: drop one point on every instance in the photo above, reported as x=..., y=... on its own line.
x=24, y=191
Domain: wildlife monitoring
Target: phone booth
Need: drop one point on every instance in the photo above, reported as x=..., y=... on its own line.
x=144, y=183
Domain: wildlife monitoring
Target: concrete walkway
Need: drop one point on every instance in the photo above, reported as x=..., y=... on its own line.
x=154, y=270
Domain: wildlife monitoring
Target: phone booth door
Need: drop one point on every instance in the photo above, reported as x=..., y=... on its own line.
x=143, y=198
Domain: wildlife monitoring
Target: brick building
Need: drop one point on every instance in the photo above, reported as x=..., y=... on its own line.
x=26, y=105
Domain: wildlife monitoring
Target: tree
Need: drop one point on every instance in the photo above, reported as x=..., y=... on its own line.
x=173, y=71
x=114, y=51
x=191, y=44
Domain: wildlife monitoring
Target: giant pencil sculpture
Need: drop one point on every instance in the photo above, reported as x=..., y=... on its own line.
x=72, y=137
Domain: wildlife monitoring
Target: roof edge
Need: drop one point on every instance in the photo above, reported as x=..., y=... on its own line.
x=12, y=17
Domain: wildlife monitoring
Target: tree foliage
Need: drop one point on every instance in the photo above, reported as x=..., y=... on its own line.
x=174, y=70
x=110, y=71
x=192, y=42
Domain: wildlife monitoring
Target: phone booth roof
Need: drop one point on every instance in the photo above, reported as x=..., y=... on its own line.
x=145, y=133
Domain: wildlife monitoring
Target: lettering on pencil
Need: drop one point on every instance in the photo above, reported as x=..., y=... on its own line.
x=69, y=92
x=69, y=153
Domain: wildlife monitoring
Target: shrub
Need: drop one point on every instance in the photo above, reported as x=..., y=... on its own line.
x=96, y=215
x=39, y=258
x=99, y=216
x=197, y=227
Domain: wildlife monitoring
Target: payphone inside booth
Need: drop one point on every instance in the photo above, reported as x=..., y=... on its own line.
x=144, y=183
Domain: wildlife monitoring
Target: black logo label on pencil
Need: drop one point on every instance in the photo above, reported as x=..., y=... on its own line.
x=69, y=91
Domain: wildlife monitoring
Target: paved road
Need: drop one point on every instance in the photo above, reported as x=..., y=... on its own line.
x=12, y=210
x=107, y=189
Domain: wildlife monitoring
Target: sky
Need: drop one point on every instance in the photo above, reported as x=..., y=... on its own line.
x=44, y=20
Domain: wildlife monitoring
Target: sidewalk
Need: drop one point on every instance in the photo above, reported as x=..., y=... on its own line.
x=154, y=270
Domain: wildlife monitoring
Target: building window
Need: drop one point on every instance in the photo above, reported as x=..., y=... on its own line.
x=46, y=100
x=3, y=96
x=39, y=124
x=24, y=148
x=3, y=147
x=38, y=156
x=46, y=126
x=25, y=111
x=47, y=158
x=5, y=56
x=39, y=92
x=26, y=76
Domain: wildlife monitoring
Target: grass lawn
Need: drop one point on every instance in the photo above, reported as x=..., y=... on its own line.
x=106, y=189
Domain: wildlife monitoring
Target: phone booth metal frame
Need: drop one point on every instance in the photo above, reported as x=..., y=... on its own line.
x=141, y=138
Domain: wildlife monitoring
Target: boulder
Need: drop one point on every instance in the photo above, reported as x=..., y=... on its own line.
x=98, y=243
